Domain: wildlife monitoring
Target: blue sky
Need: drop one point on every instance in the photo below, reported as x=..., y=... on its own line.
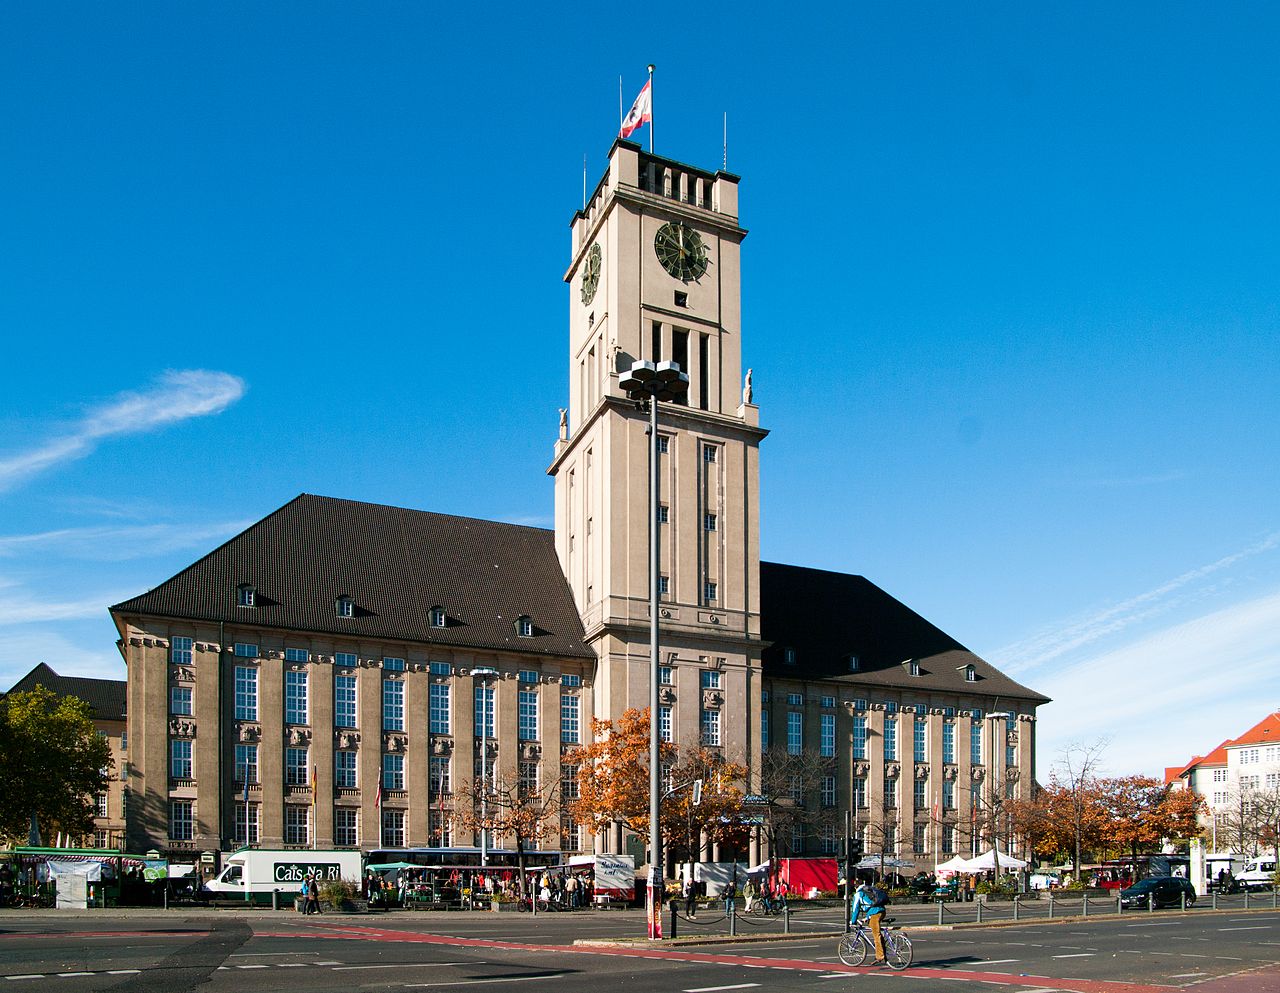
x=1009, y=294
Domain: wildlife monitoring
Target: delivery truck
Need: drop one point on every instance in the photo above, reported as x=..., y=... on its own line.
x=253, y=873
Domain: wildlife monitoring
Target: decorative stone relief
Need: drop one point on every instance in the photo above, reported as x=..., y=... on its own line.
x=441, y=746
x=299, y=736
x=666, y=694
x=530, y=751
x=182, y=729
x=951, y=772
x=977, y=774
x=550, y=678
x=1011, y=775
x=397, y=742
x=922, y=772
x=348, y=739
x=861, y=768
x=892, y=769
x=249, y=732
x=490, y=749
x=182, y=674
x=712, y=698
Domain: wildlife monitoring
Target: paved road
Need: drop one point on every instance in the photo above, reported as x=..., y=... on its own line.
x=1229, y=952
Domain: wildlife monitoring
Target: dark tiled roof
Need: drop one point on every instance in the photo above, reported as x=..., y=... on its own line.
x=105, y=696
x=828, y=616
x=396, y=565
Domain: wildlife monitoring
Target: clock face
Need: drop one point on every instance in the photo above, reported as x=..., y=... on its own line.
x=681, y=251
x=591, y=274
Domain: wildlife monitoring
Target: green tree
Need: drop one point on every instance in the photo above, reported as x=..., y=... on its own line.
x=52, y=763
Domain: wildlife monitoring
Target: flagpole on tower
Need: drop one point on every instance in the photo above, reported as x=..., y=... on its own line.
x=650, y=108
x=621, y=113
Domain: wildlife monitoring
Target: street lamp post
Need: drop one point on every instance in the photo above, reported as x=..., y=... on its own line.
x=995, y=718
x=654, y=382
x=484, y=673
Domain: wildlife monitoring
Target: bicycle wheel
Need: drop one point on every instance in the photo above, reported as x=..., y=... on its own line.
x=853, y=949
x=897, y=950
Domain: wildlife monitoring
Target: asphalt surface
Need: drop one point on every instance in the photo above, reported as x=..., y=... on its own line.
x=153, y=952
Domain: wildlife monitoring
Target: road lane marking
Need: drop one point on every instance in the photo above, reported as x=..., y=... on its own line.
x=34, y=975
x=123, y=972
x=1190, y=975
x=401, y=965
x=1076, y=955
x=254, y=966
x=1256, y=927
x=716, y=989
x=66, y=975
x=482, y=982
x=995, y=962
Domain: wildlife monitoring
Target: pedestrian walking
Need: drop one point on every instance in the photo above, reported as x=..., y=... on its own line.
x=313, y=895
x=749, y=894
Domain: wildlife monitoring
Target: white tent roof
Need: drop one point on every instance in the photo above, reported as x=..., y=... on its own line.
x=953, y=864
x=987, y=860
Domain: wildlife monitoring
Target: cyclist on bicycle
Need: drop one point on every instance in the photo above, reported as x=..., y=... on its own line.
x=870, y=900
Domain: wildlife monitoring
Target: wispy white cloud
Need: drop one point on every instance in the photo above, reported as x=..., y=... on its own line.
x=178, y=396
x=1059, y=640
x=119, y=543
x=1171, y=694
x=18, y=609
x=92, y=655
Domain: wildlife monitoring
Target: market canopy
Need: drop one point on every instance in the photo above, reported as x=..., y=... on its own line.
x=987, y=861
x=953, y=864
x=884, y=862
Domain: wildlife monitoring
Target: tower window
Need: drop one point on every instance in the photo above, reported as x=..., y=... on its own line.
x=854, y=664
x=664, y=514
x=664, y=444
x=710, y=592
x=710, y=522
x=346, y=607
x=664, y=585
x=710, y=453
x=682, y=299
x=789, y=656
x=246, y=596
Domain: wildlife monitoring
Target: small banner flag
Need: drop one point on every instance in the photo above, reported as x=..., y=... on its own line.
x=641, y=112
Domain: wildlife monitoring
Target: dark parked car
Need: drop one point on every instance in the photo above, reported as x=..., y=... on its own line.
x=1165, y=891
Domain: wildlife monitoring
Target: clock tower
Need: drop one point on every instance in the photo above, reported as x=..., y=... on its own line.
x=654, y=274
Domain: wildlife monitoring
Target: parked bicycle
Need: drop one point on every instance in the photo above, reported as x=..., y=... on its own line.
x=858, y=943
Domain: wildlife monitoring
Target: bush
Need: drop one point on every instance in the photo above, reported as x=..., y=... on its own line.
x=335, y=891
x=1006, y=887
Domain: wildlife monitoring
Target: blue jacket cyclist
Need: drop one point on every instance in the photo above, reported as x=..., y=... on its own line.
x=865, y=902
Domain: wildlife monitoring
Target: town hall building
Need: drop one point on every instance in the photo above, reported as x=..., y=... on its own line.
x=332, y=675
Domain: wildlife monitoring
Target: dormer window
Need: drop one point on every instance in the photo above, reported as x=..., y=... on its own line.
x=970, y=674
x=789, y=656
x=524, y=626
x=246, y=595
x=913, y=667
x=437, y=617
x=853, y=663
x=345, y=606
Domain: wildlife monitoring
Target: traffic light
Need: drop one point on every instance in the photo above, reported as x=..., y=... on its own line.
x=853, y=848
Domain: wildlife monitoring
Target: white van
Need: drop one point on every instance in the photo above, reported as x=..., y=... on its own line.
x=1259, y=873
x=257, y=871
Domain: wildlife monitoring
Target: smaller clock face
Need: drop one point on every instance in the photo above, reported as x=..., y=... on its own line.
x=681, y=251
x=591, y=274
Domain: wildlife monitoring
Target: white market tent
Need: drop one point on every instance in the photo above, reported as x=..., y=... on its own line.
x=987, y=861
x=953, y=864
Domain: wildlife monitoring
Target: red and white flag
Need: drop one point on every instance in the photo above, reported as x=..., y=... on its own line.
x=641, y=112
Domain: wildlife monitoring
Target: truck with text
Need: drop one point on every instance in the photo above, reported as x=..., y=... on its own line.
x=253, y=873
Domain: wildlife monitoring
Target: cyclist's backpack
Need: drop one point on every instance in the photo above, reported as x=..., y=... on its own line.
x=879, y=898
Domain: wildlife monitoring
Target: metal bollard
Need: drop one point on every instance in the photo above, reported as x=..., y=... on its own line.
x=1015, y=906
x=1183, y=898
x=1050, y=905
x=1273, y=898
x=941, y=908
x=1119, y=905
x=1214, y=899
x=1246, y=898
x=1151, y=903
x=674, y=917
x=786, y=917
x=979, y=905
x=1086, y=903
x=275, y=899
x=733, y=920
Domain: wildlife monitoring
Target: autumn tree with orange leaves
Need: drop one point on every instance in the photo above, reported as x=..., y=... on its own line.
x=613, y=785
